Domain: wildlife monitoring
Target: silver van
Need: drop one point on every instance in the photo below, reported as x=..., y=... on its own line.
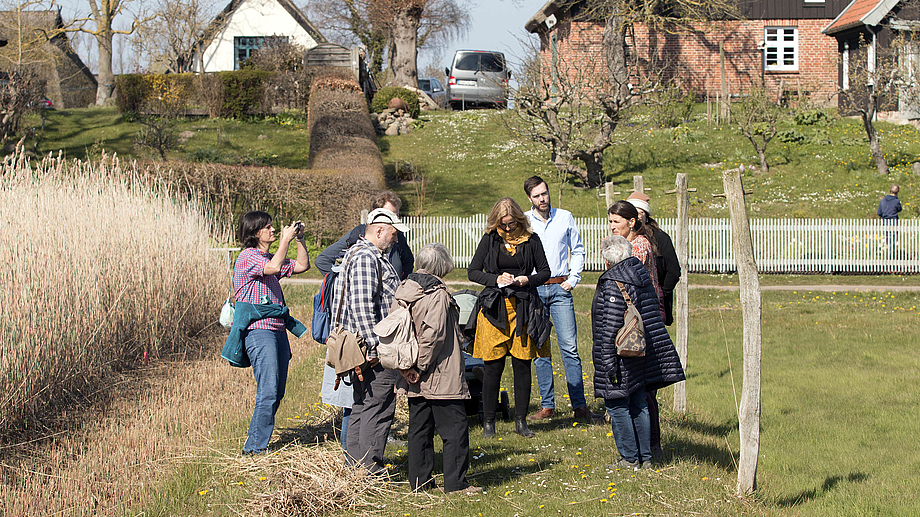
x=477, y=78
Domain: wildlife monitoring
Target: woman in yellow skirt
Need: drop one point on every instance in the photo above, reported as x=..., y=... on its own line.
x=510, y=318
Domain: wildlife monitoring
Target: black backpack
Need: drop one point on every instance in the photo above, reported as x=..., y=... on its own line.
x=322, y=308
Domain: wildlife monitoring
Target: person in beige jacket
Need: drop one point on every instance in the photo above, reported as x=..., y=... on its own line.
x=436, y=386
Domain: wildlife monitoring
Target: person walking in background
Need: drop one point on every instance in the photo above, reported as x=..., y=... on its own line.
x=622, y=381
x=255, y=282
x=510, y=263
x=561, y=240
x=369, y=282
x=436, y=386
x=668, y=275
x=888, y=209
x=400, y=257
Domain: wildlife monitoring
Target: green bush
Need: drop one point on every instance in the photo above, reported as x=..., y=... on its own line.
x=811, y=117
x=130, y=92
x=242, y=92
x=385, y=94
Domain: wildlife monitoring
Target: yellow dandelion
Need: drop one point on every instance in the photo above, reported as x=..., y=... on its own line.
x=574, y=424
x=263, y=478
x=609, y=433
x=507, y=493
x=603, y=500
x=202, y=492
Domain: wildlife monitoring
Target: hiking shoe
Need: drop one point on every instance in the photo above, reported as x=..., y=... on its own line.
x=623, y=464
x=544, y=413
x=585, y=415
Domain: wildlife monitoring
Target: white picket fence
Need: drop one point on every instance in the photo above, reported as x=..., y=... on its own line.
x=780, y=245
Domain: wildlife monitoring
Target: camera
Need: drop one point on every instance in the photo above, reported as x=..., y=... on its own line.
x=298, y=228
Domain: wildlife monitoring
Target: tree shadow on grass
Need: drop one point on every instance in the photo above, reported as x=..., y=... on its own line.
x=319, y=431
x=829, y=483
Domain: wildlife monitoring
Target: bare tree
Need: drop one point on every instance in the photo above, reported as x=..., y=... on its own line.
x=174, y=28
x=880, y=84
x=103, y=14
x=756, y=115
x=394, y=29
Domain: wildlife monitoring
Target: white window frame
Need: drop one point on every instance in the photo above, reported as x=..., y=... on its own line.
x=781, y=49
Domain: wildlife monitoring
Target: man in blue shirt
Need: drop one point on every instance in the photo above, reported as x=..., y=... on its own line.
x=888, y=209
x=560, y=238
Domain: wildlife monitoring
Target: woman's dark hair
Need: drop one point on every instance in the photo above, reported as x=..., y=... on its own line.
x=627, y=211
x=250, y=224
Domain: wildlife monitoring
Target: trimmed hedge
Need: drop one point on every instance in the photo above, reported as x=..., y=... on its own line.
x=384, y=95
x=341, y=134
x=328, y=201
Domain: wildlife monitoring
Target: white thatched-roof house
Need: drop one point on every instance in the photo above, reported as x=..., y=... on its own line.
x=245, y=25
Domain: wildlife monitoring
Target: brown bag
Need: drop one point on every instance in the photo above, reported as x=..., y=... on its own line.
x=344, y=349
x=630, y=340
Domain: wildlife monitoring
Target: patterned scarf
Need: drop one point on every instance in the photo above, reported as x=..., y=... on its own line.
x=514, y=238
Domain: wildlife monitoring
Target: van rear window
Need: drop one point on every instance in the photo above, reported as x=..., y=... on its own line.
x=481, y=61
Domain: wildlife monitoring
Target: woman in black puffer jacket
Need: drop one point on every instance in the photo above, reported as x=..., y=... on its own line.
x=622, y=381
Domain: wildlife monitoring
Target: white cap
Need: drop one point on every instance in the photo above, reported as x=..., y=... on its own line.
x=641, y=205
x=384, y=216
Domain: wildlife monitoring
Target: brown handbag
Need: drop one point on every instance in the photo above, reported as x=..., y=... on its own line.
x=344, y=349
x=630, y=339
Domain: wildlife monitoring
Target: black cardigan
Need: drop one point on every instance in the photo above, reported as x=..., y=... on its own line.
x=668, y=270
x=483, y=269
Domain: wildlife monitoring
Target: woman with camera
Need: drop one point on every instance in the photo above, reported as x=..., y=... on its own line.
x=255, y=282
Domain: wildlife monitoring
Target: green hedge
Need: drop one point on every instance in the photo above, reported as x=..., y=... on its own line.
x=243, y=92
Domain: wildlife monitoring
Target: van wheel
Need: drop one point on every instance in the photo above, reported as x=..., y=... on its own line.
x=455, y=106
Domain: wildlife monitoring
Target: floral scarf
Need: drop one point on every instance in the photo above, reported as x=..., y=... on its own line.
x=514, y=238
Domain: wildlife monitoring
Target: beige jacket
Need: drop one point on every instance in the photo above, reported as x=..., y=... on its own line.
x=440, y=363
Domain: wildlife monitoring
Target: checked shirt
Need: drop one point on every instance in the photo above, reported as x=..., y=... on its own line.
x=368, y=296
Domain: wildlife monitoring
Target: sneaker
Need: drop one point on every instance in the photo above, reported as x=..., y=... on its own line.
x=471, y=490
x=657, y=453
x=648, y=465
x=544, y=413
x=623, y=464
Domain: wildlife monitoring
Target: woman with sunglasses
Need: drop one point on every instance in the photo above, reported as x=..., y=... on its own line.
x=510, y=320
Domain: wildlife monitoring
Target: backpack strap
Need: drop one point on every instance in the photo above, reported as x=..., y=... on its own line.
x=625, y=294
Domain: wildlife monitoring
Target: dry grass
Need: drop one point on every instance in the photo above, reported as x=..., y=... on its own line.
x=100, y=271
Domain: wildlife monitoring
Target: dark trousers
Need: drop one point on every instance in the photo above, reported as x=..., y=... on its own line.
x=371, y=417
x=654, y=425
x=449, y=418
x=492, y=380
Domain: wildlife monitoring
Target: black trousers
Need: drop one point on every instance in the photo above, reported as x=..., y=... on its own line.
x=492, y=380
x=449, y=418
x=651, y=396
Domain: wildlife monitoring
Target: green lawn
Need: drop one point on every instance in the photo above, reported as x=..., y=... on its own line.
x=838, y=423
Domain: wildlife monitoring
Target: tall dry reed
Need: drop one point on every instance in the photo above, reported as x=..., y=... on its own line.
x=98, y=268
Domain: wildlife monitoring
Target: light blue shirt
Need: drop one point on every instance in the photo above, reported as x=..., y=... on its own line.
x=560, y=238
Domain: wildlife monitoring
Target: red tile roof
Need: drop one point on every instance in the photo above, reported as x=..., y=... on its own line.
x=852, y=15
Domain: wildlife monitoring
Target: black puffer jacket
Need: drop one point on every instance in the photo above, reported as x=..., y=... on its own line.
x=617, y=377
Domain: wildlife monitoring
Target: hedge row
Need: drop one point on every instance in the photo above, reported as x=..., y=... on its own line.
x=236, y=94
x=328, y=201
x=341, y=134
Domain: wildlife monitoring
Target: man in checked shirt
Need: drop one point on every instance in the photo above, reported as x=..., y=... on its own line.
x=370, y=283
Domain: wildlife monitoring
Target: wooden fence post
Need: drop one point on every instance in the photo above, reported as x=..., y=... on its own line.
x=681, y=298
x=749, y=412
x=638, y=184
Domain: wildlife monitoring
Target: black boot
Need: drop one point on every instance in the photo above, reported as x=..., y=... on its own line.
x=488, y=428
x=520, y=427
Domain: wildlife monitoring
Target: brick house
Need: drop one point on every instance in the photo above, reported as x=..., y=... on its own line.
x=876, y=23
x=777, y=43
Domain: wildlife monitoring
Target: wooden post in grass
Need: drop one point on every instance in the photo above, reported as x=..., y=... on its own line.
x=749, y=412
x=638, y=184
x=681, y=298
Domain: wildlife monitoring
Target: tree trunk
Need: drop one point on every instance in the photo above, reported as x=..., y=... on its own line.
x=763, y=159
x=874, y=146
x=613, y=43
x=749, y=412
x=681, y=298
x=405, y=36
x=106, y=77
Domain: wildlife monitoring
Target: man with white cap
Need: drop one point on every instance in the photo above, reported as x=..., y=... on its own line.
x=370, y=283
x=668, y=275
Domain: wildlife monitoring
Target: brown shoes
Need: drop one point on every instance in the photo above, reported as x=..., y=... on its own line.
x=585, y=415
x=542, y=414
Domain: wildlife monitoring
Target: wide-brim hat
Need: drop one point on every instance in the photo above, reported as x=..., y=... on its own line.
x=384, y=216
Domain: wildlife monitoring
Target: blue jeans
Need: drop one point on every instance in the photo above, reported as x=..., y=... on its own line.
x=561, y=309
x=630, y=422
x=270, y=354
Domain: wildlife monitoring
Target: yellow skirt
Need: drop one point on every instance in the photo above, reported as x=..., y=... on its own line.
x=493, y=343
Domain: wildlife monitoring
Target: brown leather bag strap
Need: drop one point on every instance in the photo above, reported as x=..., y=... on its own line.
x=625, y=294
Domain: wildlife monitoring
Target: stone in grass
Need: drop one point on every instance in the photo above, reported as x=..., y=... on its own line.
x=916, y=168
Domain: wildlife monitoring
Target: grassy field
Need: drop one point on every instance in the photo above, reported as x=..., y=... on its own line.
x=471, y=159
x=837, y=419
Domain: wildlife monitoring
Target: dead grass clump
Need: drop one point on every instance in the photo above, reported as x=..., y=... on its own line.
x=309, y=481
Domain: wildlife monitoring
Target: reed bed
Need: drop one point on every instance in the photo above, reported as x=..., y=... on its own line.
x=101, y=270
